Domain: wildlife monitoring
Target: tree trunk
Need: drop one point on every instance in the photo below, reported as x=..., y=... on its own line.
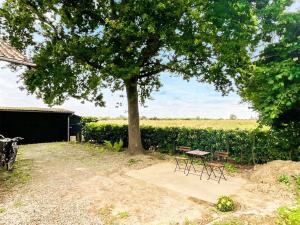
x=134, y=134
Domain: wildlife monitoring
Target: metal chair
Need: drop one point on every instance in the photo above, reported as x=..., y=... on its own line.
x=218, y=165
x=185, y=160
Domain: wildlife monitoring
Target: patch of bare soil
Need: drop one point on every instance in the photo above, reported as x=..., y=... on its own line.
x=268, y=193
x=265, y=177
x=250, y=219
x=269, y=172
x=83, y=184
x=262, y=195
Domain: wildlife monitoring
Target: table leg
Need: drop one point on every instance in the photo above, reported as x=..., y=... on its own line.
x=191, y=164
x=186, y=165
x=203, y=167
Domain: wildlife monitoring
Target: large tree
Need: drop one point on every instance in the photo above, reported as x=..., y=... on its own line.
x=273, y=83
x=81, y=47
x=272, y=86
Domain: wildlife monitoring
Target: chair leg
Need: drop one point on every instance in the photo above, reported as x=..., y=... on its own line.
x=203, y=171
x=205, y=167
x=186, y=165
x=177, y=165
x=209, y=173
x=214, y=173
x=194, y=168
x=221, y=174
x=191, y=164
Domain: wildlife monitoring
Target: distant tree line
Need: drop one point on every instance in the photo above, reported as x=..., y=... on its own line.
x=96, y=119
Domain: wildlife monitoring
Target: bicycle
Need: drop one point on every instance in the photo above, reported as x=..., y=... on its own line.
x=8, y=151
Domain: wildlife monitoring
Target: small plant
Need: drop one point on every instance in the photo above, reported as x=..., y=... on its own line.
x=230, y=168
x=19, y=176
x=116, y=147
x=161, y=156
x=133, y=161
x=230, y=222
x=2, y=210
x=285, y=179
x=188, y=222
x=297, y=179
x=289, y=216
x=18, y=204
x=108, y=145
x=106, y=215
x=225, y=204
x=123, y=215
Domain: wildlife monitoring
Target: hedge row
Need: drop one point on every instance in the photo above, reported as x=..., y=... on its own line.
x=244, y=146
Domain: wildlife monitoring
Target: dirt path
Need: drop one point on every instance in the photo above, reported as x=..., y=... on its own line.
x=65, y=183
x=77, y=184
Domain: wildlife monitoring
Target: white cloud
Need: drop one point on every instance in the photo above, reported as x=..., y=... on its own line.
x=294, y=7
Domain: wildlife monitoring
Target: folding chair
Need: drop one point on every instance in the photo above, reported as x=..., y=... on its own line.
x=185, y=160
x=217, y=167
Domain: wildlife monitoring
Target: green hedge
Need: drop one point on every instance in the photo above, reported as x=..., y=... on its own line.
x=243, y=145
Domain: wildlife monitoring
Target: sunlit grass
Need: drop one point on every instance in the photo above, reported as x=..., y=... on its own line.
x=20, y=174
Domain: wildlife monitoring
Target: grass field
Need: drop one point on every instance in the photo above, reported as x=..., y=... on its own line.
x=215, y=124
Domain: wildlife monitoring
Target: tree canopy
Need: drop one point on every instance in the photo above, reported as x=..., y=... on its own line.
x=81, y=47
x=273, y=86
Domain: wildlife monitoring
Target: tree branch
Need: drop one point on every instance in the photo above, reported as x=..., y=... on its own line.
x=113, y=8
x=152, y=47
x=41, y=17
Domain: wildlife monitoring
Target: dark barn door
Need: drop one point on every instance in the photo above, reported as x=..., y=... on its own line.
x=35, y=127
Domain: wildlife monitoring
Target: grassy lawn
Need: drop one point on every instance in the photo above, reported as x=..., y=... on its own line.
x=215, y=124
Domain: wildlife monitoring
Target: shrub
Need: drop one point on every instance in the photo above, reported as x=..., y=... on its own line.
x=285, y=179
x=116, y=147
x=225, y=204
x=88, y=119
x=230, y=168
x=289, y=216
x=244, y=146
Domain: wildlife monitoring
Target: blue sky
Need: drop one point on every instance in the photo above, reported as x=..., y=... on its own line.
x=177, y=98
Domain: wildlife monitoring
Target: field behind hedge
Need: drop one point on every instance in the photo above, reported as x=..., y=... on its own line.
x=191, y=123
x=246, y=146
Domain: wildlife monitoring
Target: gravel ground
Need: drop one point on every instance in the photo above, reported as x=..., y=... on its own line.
x=81, y=184
x=68, y=183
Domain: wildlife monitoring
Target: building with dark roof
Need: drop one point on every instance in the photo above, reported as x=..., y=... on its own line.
x=12, y=55
x=36, y=125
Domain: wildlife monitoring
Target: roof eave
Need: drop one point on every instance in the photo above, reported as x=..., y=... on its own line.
x=34, y=111
x=17, y=62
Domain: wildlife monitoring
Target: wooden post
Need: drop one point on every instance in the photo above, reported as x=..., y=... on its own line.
x=68, y=128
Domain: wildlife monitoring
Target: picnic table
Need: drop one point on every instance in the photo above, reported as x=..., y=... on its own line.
x=197, y=154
